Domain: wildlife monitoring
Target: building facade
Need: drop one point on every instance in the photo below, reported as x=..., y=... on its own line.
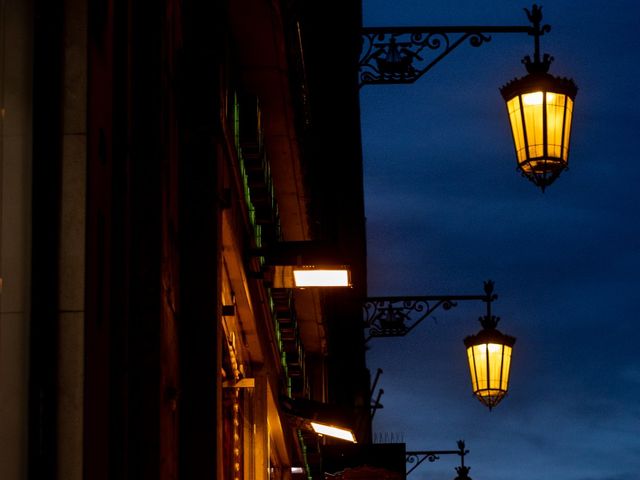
x=152, y=152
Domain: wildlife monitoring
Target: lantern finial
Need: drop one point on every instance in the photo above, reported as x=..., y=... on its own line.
x=537, y=65
x=463, y=473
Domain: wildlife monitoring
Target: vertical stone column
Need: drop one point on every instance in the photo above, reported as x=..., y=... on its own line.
x=15, y=232
x=71, y=269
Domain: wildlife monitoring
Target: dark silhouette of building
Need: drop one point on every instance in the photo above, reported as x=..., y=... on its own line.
x=151, y=150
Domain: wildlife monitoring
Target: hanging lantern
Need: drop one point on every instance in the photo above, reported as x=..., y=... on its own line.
x=489, y=355
x=540, y=108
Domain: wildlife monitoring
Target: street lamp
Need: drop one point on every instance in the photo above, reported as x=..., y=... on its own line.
x=489, y=355
x=488, y=352
x=540, y=108
x=304, y=276
x=302, y=264
x=333, y=431
x=324, y=419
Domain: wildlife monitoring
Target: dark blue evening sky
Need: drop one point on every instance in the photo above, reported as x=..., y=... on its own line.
x=446, y=210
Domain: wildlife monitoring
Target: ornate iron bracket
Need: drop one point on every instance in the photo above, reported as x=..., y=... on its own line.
x=432, y=455
x=397, y=316
x=375, y=404
x=393, y=55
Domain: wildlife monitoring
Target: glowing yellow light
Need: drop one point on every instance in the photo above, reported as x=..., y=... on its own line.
x=331, y=431
x=321, y=278
x=535, y=98
x=290, y=276
x=489, y=364
x=489, y=356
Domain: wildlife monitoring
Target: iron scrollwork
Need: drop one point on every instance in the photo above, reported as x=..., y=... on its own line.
x=397, y=316
x=397, y=55
x=419, y=457
x=403, y=54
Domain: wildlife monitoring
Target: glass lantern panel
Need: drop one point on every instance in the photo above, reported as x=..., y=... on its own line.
x=532, y=103
x=480, y=358
x=567, y=126
x=515, y=118
x=555, y=123
x=472, y=369
x=495, y=365
x=506, y=365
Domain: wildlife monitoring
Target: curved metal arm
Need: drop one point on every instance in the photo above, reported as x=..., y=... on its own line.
x=432, y=455
x=397, y=316
x=392, y=55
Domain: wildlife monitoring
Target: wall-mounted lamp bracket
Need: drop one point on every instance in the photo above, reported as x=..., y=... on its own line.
x=418, y=457
x=393, y=55
x=375, y=405
x=397, y=316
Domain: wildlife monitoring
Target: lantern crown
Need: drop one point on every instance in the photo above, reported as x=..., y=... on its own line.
x=463, y=473
x=538, y=81
x=489, y=334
